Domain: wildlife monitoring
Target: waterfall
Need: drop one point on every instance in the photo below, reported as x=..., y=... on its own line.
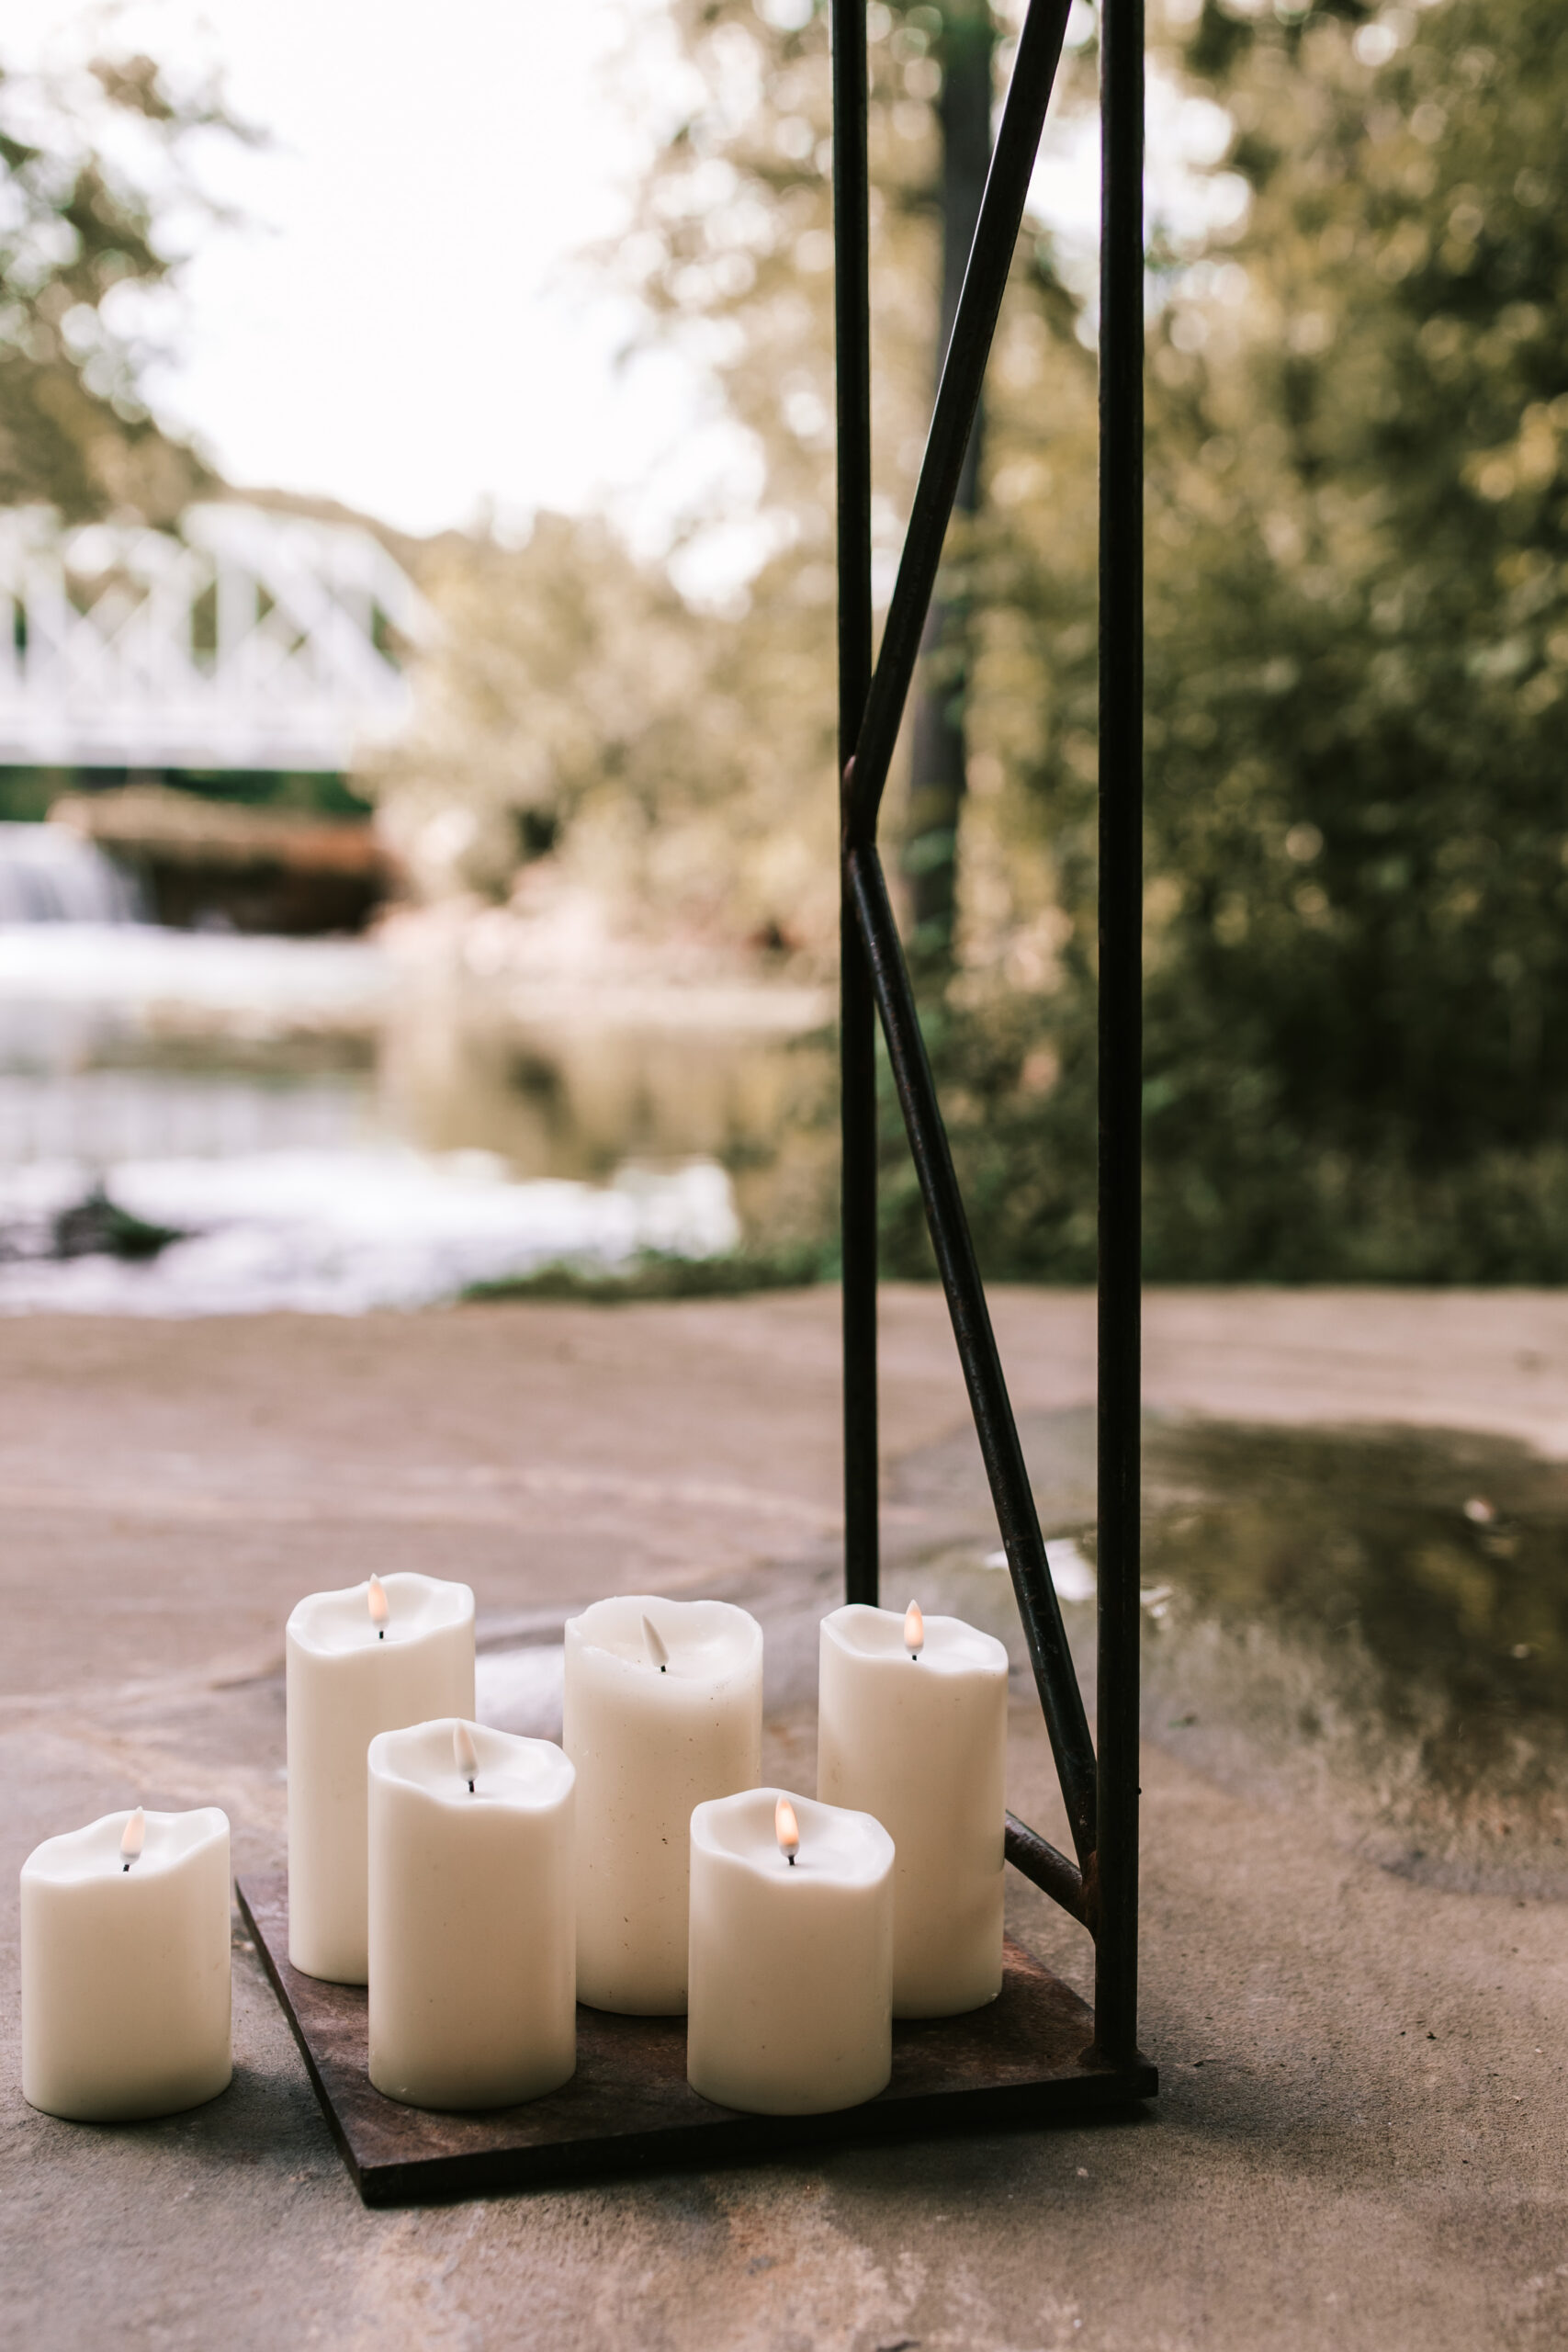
x=48, y=874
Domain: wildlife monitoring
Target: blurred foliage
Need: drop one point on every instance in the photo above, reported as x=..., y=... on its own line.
x=732, y=254
x=561, y=695
x=654, y=1274
x=92, y=162
x=1358, y=839
x=580, y=709
x=680, y=760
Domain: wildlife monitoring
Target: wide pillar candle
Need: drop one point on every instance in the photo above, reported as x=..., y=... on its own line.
x=663, y=1711
x=473, y=1942
x=351, y=1676
x=920, y=1739
x=125, y=1967
x=791, y=1960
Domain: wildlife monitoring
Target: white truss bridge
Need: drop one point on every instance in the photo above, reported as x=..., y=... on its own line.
x=246, y=639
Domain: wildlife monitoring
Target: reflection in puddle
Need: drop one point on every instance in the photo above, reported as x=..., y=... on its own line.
x=1377, y=1617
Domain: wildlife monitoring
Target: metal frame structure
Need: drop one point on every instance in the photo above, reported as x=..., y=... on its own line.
x=1101, y=1790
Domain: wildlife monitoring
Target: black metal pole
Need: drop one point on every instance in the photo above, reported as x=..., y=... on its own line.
x=1120, y=1010
x=857, y=1010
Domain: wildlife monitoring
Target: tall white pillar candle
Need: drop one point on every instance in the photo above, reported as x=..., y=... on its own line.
x=914, y=1732
x=664, y=1710
x=367, y=1659
x=473, y=1933
x=792, y=1955
x=125, y=1967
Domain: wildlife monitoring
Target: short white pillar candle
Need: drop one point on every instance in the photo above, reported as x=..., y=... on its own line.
x=125, y=1967
x=914, y=1730
x=792, y=1955
x=664, y=1710
x=473, y=1936
x=367, y=1659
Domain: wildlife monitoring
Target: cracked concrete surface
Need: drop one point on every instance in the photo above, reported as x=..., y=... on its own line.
x=1359, y=2140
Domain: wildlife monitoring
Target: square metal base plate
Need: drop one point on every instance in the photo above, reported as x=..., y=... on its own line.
x=1025, y=2058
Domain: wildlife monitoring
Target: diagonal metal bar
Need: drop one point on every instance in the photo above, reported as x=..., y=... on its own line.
x=958, y=395
x=857, y=1008
x=1054, y=1674
x=1052, y=1872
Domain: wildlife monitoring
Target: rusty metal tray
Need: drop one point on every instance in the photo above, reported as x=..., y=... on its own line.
x=629, y=2109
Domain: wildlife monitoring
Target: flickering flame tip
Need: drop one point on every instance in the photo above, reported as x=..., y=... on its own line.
x=786, y=1830
x=133, y=1837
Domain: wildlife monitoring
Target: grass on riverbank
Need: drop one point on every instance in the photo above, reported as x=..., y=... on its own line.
x=654, y=1274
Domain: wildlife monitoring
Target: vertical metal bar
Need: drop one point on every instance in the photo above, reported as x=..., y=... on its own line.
x=1115, y=1896
x=857, y=1010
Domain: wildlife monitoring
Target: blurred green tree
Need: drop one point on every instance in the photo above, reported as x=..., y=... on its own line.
x=579, y=709
x=681, y=759
x=733, y=251
x=731, y=255
x=1357, y=837
x=91, y=162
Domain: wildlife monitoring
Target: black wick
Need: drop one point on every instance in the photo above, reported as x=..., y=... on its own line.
x=789, y=1858
x=470, y=1788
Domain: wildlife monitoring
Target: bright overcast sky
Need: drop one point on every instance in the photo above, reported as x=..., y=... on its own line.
x=406, y=325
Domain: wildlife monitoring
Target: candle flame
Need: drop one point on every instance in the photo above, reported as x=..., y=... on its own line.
x=786, y=1830
x=376, y=1599
x=914, y=1629
x=133, y=1837
x=655, y=1640
x=464, y=1753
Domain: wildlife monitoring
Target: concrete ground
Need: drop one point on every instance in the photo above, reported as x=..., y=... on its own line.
x=1359, y=2140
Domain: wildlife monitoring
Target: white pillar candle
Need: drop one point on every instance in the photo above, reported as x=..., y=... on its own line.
x=125, y=1967
x=664, y=1710
x=912, y=1727
x=792, y=1955
x=368, y=1659
x=473, y=1942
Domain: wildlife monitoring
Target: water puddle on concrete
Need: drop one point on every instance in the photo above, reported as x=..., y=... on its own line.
x=1375, y=1619
x=1371, y=1622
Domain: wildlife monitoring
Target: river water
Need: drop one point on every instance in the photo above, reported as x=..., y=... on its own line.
x=330, y=1125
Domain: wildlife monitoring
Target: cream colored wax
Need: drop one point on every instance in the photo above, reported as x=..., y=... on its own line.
x=365, y=1660
x=473, y=1946
x=663, y=1711
x=791, y=1960
x=919, y=1738
x=125, y=1967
